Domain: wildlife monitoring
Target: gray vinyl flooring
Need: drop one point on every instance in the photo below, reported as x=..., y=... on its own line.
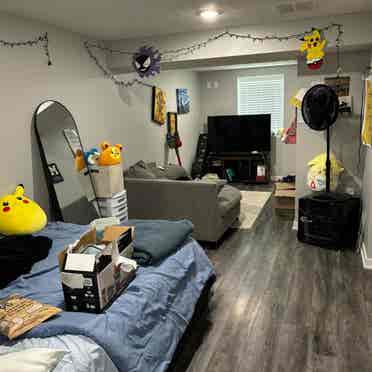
x=282, y=306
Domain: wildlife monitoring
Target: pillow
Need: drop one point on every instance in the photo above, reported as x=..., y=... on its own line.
x=159, y=172
x=176, y=172
x=31, y=360
x=228, y=198
x=140, y=170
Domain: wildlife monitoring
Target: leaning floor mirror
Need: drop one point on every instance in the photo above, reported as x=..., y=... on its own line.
x=71, y=191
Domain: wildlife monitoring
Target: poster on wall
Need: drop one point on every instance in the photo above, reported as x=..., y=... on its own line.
x=341, y=85
x=159, y=109
x=183, y=101
x=367, y=118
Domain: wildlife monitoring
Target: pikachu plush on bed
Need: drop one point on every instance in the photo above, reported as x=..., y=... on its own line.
x=20, y=215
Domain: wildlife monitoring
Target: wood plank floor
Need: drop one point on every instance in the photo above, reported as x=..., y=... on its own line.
x=282, y=306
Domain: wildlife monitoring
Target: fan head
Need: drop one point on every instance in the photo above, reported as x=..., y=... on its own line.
x=320, y=107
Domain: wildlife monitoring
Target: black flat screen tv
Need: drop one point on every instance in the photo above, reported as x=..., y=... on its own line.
x=239, y=134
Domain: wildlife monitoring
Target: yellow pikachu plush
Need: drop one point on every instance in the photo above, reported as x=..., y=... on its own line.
x=110, y=155
x=20, y=215
x=314, y=45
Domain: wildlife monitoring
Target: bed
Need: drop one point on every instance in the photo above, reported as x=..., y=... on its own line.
x=142, y=328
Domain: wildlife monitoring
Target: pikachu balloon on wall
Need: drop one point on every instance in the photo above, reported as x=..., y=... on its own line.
x=313, y=45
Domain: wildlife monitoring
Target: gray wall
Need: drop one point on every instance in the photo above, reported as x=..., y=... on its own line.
x=223, y=101
x=145, y=139
x=102, y=112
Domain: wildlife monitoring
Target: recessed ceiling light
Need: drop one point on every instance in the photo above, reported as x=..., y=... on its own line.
x=209, y=14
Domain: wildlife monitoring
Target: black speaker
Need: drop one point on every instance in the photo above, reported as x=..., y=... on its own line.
x=329, y=220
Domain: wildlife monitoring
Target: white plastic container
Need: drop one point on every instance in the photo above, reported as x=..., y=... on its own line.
x=115, y=201
x=115, y=211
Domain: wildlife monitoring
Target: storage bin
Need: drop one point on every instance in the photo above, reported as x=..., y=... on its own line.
x=108, y=181
x=115, y=201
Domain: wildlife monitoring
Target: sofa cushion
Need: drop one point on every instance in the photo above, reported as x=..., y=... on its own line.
x=228, y=198
x=140, y=170
x=176, y=172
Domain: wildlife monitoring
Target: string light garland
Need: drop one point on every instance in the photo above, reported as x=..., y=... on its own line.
x=106, y=72
x=169, y=55
x=42, y=40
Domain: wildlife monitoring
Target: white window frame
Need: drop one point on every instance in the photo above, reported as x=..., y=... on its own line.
x=252, y=78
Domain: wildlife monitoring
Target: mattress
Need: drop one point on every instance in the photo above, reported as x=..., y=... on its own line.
x=141, y=329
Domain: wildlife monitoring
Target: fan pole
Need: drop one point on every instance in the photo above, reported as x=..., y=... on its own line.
x=328, y=163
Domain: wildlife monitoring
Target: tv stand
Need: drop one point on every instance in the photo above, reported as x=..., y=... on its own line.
x=241, y=167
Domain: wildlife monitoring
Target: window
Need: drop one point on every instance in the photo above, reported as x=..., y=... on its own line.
x=262, y=95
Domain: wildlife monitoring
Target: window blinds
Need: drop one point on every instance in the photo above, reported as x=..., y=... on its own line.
x=262, y=95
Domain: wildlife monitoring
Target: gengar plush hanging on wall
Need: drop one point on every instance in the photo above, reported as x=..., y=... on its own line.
x=146, y=61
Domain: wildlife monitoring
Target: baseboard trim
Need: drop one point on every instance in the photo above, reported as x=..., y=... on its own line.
x=367, y=262
x=295, y=225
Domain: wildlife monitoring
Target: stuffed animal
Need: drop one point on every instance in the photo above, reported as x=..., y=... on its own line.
x=20, y=215
x=316, y=176
x=110, y=155
x=80, y=163
x=90, y=157
x=313, y=45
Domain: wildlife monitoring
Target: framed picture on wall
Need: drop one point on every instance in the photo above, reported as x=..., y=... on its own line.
x=341, y=85
x=159, y=108
x=183, y=101
x=172, y=124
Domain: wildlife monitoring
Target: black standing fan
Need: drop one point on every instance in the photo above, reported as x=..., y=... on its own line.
x=329, y=220
x=320, y=110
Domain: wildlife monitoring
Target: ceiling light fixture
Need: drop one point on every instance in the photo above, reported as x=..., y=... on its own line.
x=209, y=14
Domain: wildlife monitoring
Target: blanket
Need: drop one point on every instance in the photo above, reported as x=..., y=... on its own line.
x=162, y=239
x=141, y=329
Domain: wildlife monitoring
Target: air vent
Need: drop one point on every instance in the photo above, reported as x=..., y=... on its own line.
x=295, y=6
x=285, y=8
x=304, y=6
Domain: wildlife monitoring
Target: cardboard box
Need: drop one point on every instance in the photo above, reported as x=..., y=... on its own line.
x=92, y=282
x=284, y=198
x=108, y=181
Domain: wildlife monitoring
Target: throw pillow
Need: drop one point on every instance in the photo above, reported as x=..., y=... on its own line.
x=176, y=172
x=31, y=360
x=159, y=172
x=140, y=170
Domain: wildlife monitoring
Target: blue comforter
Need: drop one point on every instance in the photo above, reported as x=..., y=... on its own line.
x=142, y=328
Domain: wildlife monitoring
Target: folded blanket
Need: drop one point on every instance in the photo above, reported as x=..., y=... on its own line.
x=19, y=253
x=160, y=239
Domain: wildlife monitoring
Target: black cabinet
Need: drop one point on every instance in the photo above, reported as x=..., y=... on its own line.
x=248, y=168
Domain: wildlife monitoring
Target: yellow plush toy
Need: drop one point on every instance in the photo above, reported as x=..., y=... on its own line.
x=314, y=45
x=79, y=161
x=110, y=155
x=19, y=215
x=316, y=176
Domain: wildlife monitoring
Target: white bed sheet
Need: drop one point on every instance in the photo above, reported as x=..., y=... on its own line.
x=83, y=355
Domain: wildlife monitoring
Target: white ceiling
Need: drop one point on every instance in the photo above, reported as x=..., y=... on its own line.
x=119, y=19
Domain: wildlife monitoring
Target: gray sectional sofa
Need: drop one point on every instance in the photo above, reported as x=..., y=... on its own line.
x=155, y=193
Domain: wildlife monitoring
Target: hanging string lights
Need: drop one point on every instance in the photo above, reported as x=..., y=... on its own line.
x=147, y=63
x=40, y=40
